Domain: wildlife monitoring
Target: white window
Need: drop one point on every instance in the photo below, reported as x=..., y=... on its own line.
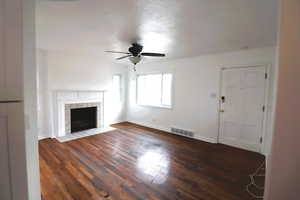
x=155, y=90
x=117, y=89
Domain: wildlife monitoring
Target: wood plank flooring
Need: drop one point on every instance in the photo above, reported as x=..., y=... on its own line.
x=135, y=162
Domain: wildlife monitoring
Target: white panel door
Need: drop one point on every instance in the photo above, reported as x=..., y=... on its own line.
x=11, y=72
x=17, y=150
x=5, y=191
x=241, y=107
x=2, y=66
x=13, y=169
x=13, y=49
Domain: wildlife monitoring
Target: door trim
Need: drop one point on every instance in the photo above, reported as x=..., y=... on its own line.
x=266, y=100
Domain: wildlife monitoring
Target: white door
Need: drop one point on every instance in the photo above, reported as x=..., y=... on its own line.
x=5, y=192
x=2, y=64
x=13, y=168
x=242, y=107
x=11, y=38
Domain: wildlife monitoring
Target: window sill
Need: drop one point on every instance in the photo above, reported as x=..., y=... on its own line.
x=156, y=106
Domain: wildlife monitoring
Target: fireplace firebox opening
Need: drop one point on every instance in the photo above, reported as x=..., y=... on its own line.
x=83, y=119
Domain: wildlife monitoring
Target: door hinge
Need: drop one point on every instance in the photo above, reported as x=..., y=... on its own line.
x=261, y=140
x=266, y=75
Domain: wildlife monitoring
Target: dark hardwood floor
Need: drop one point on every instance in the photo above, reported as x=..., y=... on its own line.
x=135, y=162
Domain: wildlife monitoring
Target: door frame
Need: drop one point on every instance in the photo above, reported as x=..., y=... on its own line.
x=266, y=100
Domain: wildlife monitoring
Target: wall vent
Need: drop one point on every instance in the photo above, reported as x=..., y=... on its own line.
x=182, y=132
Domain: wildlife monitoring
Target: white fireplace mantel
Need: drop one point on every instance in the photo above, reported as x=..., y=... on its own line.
x=63, y=100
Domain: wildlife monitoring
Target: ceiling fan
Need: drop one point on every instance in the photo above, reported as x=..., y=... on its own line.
x=135, y=54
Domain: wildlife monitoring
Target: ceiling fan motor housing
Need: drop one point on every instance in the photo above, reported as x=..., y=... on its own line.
x=136, y=49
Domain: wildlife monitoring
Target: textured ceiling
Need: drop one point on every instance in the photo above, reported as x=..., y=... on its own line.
x=179, y=28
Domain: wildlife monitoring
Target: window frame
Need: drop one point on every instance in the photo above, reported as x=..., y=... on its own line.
x=161, y=105
x=121, y=86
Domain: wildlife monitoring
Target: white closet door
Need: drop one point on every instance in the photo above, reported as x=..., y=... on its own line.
x=5, y=192
x=11, y=58
x=2, y=65
x=13, y=35
x=17, y=150
x=241, y=116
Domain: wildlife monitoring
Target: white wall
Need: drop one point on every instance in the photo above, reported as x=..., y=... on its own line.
x=30, y=103
x=196, y=82
x=76, y=71
x=43, y=98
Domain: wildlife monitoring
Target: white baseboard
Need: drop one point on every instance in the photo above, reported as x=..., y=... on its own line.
x=161, y=128
x=239, y=145
x=41, y=137
x=206, y=139
x=167, y=129
x=117, y=121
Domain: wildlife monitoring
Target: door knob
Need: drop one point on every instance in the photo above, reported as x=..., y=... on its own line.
x=223, y=99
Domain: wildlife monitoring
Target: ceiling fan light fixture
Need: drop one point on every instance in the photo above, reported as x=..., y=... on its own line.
x=135, y=54
x=135, y=59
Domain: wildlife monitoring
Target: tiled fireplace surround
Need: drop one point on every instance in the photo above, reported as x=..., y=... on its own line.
x=69, y=107
x=64, y=101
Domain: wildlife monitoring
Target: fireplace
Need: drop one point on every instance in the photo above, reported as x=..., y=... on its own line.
x=83, y=119
x=65, y=101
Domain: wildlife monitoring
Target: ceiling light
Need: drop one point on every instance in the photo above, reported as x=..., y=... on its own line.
x=135, y=59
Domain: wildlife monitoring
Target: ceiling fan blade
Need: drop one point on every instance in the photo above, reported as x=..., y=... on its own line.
x=123, y=57
x=153, y=54
x=117, y=52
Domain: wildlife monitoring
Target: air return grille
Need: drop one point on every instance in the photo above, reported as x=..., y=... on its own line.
x=182, y=132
